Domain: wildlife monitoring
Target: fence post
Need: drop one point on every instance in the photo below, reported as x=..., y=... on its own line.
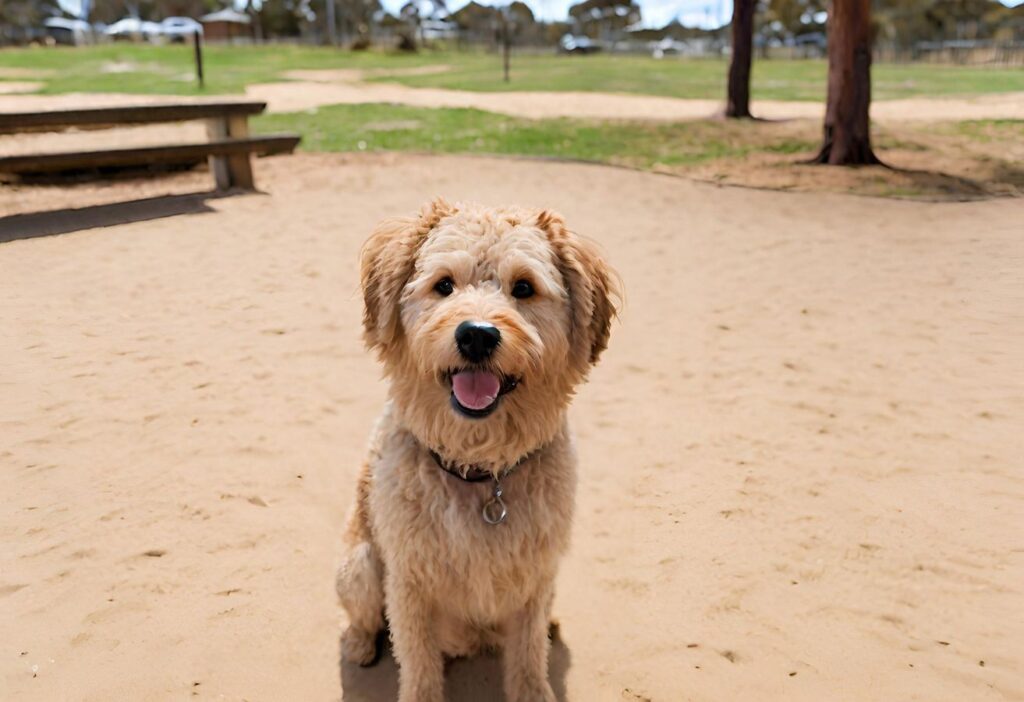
x=199, y=58
x=506, y=41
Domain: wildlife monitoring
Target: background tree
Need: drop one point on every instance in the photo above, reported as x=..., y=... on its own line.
x=278, y=18
x=355, y=17
x=21, y=13
x=847, y=139
x=796, y=17
x=738, y=95
x=604, y=19
x=411, y=19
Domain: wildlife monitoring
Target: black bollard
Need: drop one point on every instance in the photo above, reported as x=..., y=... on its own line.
x=199, y=58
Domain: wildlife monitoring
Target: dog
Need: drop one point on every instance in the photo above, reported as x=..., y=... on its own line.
x=485, y=321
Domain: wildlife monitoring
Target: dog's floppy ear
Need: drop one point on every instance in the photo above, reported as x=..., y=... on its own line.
x=387, y=262
x=593, y=289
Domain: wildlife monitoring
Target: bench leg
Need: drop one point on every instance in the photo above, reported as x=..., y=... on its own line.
x=230, y=171
x=217, y=129
x=240, y=167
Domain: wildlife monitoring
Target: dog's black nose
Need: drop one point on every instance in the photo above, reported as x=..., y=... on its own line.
x=477, y=340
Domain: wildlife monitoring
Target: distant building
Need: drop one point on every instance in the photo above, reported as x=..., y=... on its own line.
x=226, y=25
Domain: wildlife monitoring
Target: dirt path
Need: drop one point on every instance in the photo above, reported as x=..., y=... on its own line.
x=313, y=89
x=801, y=453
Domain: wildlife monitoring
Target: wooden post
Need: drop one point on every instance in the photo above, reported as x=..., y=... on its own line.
x=506, y=41
x=217, y=129
x=199, y=58
x=240, y=166
x=230, y=171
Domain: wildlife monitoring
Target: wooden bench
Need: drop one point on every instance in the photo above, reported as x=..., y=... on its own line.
x=228, y=149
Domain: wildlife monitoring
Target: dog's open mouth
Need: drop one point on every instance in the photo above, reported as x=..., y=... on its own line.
x=476, y=392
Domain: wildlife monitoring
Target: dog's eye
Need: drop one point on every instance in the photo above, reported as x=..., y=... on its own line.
x=522, y=289
x=444, y=287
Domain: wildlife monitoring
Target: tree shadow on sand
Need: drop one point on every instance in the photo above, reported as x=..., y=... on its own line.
x=476, y=679
x=997, y=181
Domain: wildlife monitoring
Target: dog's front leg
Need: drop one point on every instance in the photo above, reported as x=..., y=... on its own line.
x=420, y=661
x=526, y=653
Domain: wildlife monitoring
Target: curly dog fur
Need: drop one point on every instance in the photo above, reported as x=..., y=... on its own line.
x=416, y=547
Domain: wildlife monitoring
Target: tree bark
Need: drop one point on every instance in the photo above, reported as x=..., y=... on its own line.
x=847, y=138
x=738, y=97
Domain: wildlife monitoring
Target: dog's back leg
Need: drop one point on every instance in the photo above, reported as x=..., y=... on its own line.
x=360, y=582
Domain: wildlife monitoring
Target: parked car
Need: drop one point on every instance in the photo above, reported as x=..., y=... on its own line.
x=180, y=28
x=667, y=47
x=68, y=31
x=570, y=44
x=132, y=27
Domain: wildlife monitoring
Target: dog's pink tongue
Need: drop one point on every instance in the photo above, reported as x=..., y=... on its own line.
x=476, y=390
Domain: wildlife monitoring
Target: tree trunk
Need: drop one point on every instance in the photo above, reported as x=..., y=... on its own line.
x=847, y=139
x=738, y=99
x=332, y=24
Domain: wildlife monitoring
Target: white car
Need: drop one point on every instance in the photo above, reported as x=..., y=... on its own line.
x=134, y=27
x=68, y=31
x=181, y=28
x=570, y=44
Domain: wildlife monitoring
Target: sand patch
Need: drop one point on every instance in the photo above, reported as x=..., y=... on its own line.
x=352, y=75
x=11, y=72
x=393, y=125
x=320, y=88
x=809, y=480
x=13, y=87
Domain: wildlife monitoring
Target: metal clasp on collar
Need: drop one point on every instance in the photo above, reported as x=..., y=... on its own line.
x=495, y=511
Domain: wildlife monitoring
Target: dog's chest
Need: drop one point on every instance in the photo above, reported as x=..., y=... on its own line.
x=431, y=526
x=496, y=567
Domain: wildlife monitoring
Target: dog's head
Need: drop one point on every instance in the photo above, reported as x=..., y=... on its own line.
x=485, y=320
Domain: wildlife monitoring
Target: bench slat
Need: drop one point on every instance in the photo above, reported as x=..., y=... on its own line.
x=108, y=117
x=141, y=156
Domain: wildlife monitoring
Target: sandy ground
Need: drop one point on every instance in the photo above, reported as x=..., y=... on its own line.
x=16, y=87
x=801, y=455
x=312, y=89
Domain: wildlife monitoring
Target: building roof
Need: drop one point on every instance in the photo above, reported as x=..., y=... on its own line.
x=226, y=15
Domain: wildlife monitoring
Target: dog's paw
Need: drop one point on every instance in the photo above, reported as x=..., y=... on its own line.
x=359, y=647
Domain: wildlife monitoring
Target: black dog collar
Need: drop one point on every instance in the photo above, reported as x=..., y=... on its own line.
x=494, y=510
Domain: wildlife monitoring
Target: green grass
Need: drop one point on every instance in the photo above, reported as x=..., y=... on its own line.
x=169, y=69
x=376, y=127
x=706, y=78
x=1009, y=131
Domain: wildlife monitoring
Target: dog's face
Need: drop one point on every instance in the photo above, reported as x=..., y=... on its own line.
x=485, y=320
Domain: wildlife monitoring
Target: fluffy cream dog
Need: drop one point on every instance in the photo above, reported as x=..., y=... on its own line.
x=485, y=320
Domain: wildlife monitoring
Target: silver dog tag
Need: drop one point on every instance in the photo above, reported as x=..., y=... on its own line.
x=494, y=511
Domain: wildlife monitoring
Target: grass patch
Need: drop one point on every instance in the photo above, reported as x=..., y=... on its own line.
x=636, y=144
x=168, y=69
x=928, y=163
x=706, y=78
x=990, y=130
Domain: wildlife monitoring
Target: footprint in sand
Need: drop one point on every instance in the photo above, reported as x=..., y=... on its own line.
x=6, y=590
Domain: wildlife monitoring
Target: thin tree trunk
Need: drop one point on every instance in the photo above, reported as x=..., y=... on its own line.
x=847, y=139
x=738, y=98
x=332, y=25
